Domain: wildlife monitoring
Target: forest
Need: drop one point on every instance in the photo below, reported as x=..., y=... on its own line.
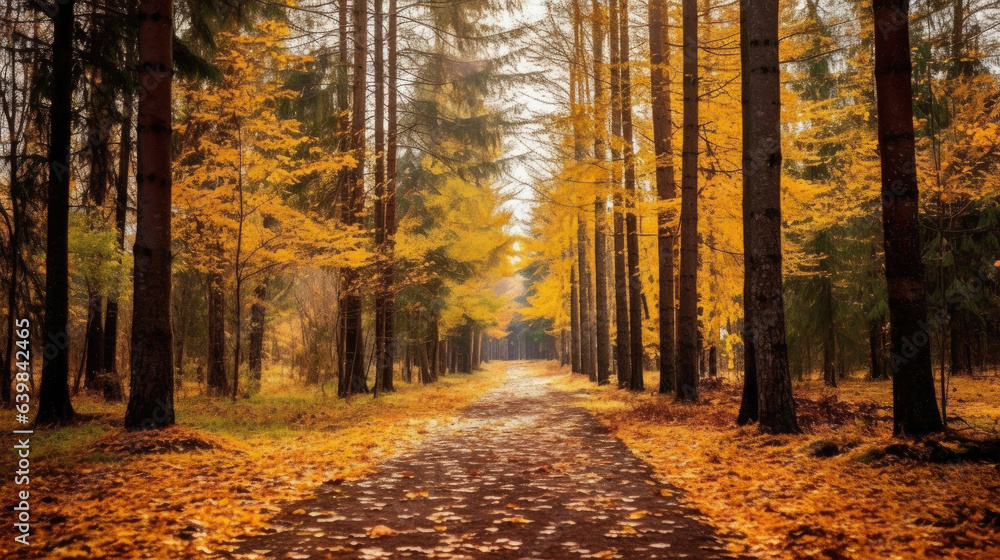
x=500, y=279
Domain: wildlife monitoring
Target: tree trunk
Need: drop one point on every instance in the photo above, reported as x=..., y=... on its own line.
x=762, y=195
x=876, y=348
x=53, y=398
x=217, y=382
x=255, y=344
x=602, y=318
x=425, y=375
x=390, y=199
x=915, y=409
x=111, y=380
x=587, y=351
x=749, y=411
x=151, y=402
x=635, y=379
x=407, y=368
x=687, y=313
x=830, y=344
x=622, y=343
x=95, y=342
x=666, y=189
x=352, y=302
x=574, y=314
x=713, y=362
x=381, y=234
x=435, y=349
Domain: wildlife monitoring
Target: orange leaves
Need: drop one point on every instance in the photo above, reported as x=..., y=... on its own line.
x=179, y=492
x=380, y=531
x=777, y=498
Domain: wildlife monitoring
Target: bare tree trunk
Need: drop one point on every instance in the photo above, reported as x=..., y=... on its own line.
x=587, y=354
x=255, y=344
x=95, y=341
x=666, y=189
x=352, y=303
x=111, y=380
x=687, y=315
x=762, y=203
x=635, y=379
x=151, y=403
x=381, y=234
x=574, y=314
x=622, y=338
x=915, y=409
x=602, y=318
x=749, y=410
x=217, y=382
x=390, y=199
x=53, y=399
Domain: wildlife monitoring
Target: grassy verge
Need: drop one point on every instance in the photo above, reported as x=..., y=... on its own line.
x=184, y=492
x=844, y=489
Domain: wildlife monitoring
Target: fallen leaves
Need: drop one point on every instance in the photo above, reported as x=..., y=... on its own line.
x=847, y=490
x=380, y=531
x=180, y=492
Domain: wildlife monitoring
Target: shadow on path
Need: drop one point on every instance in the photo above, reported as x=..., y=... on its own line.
x=522, y=473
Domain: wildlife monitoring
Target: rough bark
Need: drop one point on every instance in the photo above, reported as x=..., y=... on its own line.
x=151, y=402
x=602, y=319
x=352, y=301
x=666, y=189
x=53, y=399
x=762, y=194
x=381, y=235
x=623, y=345
x=915, y=409
x=390, y=197
x=635, y=379
x=748, y=403
x=687, y=312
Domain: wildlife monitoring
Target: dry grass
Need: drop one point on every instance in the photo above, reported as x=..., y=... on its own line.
x=844, y=489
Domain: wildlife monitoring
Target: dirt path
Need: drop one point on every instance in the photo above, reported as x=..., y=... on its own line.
x=521, y=474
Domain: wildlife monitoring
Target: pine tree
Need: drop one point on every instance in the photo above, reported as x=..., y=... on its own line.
x=151, y=401
x=915, y=410
x=53, y=399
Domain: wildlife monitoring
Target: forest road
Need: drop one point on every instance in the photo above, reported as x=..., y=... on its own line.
x=522, y=473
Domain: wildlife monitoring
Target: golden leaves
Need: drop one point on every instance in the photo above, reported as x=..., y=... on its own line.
x=380, y=531
x=174, y=493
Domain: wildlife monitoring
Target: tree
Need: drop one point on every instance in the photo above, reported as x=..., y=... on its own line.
x=237, y=166
x=392, y=144
x=635, y=380
x=383, y=358
x=687, y=316
x=602, y=320
x=53, y=398
x=351, y=302
x=623, y=345
x=151, y=401
x=666, y=189
x=915, y=410
x=763, y=298
x=577, y=102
